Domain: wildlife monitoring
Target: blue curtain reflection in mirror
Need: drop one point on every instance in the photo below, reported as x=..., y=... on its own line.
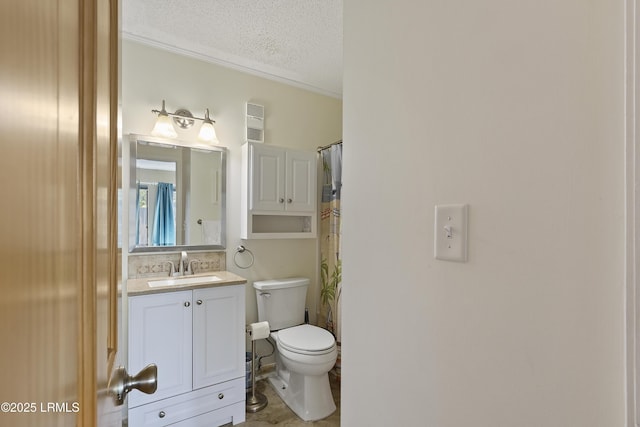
x=146, y=207
x=164, y=223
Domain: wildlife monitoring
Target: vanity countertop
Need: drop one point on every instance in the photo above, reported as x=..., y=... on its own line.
x=141, y=286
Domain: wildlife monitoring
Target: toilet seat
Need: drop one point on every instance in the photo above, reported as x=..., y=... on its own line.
x=306, y=339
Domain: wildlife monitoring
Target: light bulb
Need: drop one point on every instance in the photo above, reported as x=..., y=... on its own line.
x=163, y=126
x=207, y=131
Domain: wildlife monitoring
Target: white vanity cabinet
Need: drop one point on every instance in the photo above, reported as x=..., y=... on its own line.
x=160, y=332
x=196, y=338
x=279, y=192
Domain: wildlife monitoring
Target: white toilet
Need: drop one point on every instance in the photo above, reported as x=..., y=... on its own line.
x=304, y=353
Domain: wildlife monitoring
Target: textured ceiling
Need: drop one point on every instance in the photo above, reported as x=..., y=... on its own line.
x=298, y=42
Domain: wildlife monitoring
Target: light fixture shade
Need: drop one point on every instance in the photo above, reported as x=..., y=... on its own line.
x=208, y=133
x=164, y=127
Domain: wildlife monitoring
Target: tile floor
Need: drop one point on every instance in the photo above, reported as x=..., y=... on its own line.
x=277, y=413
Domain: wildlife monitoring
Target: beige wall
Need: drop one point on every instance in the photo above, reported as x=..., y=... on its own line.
x=515, y=108
x=294, y=118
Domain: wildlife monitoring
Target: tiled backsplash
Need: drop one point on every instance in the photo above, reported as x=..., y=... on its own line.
x=155, y=265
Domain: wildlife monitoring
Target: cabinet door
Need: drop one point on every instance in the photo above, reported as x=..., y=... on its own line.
x=267, y=178
x=301, y=179
x=218, y=335
x=160, y=331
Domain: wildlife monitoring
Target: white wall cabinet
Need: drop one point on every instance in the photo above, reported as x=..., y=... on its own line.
x=196, y=338
x=279, y=192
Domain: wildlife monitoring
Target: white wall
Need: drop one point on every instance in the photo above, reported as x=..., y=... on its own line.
x=515, y=108
x=294, y=118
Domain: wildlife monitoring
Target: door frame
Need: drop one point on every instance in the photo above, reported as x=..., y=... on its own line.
x=98, y=185
x=632, y=223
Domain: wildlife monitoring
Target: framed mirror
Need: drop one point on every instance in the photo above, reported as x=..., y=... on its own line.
x=177, y=196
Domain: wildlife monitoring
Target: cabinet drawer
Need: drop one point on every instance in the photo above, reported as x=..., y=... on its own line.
x=188, y=405
x=233, y=413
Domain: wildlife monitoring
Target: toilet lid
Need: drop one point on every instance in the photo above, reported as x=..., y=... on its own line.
x=306, y=338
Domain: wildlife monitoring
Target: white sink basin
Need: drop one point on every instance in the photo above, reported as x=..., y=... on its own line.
x=176, y=281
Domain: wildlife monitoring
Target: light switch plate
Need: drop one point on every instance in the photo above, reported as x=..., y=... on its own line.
x=450, y=233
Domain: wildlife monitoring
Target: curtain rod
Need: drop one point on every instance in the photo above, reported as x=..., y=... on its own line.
x=324, y=147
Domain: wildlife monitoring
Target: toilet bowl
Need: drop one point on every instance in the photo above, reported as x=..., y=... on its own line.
x=304, y=353
x=307, y=349
x=302, y=379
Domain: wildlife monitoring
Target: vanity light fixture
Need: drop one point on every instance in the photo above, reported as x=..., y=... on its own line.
x=184, y=119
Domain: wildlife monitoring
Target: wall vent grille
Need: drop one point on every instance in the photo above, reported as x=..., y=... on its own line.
x=255, y=123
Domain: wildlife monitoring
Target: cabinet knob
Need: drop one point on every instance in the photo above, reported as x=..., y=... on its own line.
x=161, y=414
x=281, y=200
x=220, y=396
x=199, y=302
x=187, y=303
x=289, y=200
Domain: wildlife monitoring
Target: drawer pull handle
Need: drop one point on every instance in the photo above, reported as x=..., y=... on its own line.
x=162, y=414
x=220, y=396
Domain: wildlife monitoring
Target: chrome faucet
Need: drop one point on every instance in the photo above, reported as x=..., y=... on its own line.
x=190, y=266
x=172, y=269
x=184, y=263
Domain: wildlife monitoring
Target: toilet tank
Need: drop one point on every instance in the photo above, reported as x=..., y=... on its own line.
x=281, y=301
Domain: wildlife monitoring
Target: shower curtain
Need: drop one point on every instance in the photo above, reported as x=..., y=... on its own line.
x=164, y=226
x=330, y=264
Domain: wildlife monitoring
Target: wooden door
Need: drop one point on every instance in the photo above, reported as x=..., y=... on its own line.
x=58, y=323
